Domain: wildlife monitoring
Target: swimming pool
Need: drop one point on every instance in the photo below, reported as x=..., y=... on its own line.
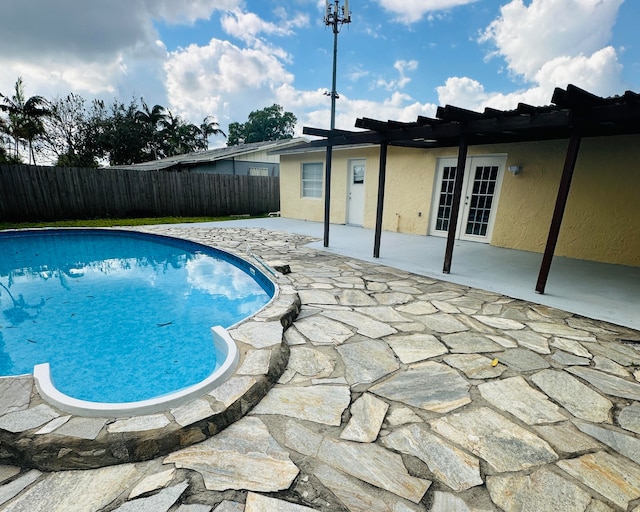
x=111, y=317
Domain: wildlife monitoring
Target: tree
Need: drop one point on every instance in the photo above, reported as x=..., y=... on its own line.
x=5, y=157
x=179, y=137
x=120, y=135
x=70, y=132
x=270, y=123
x=73, y=134
x=175, y=136
x=207, y=128
x=5, y=142
x=151, y=121
x=25, y=118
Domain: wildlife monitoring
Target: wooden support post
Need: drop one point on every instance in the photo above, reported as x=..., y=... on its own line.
x=558, y=212
x=455, y=207
x=382, y=174
x=327, y=193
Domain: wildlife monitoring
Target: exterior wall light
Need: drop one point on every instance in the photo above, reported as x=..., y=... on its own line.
x=515, y=169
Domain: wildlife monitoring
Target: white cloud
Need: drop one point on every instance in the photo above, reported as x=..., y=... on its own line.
x=85, y=47
x=218, y=78
x=247, y=26
x=188, y=11
x=462, y=92
x=546, y=53
x=399, y=107
x=411, y=11
x=527, y=37
x=402, y=66
x=96, y=48
x=467, y=93
x=598, y=73
x=357, y=73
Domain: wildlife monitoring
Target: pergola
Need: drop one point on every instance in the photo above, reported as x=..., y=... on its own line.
x=574, y=114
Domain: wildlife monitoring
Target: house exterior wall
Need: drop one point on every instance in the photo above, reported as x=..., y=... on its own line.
x=408, y=191
x=601, y=220
x=237, y=167
x=294, y=206
x=602, y=217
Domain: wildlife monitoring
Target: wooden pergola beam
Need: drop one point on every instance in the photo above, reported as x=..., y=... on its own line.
x=455, y=206
x=327, y=193
x=558, y=212
x=382, y=174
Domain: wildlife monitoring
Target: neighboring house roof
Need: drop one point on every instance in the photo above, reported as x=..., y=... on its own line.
x=308, y=147
x=224, y=153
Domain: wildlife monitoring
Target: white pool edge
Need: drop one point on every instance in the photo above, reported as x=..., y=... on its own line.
x=224, y=345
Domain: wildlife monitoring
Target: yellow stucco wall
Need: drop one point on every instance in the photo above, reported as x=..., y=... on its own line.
x=294, y=206
x=408, y=190
x=603, y=211
x=602, y=216
x=601, y=221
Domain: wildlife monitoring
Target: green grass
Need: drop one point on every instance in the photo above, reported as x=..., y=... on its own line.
x=102, y=223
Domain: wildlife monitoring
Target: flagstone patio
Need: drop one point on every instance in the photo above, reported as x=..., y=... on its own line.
x=402, y=393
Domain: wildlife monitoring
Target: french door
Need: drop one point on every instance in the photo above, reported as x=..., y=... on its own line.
x=480, y=189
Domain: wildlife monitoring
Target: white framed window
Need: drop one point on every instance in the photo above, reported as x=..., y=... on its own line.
x=312, y=179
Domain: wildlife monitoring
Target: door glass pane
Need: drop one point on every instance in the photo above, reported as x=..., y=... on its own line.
x=358, y=174
x=446, y=198
x=481, y=200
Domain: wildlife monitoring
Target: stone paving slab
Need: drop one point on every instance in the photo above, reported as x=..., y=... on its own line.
x=375, y=465
x=230, y=460
x=516, y=397
x=16, y=393
x=542, y=491
x=367, y=361
x=403, y=394
x=432, y=386
x=367, y=415
x=502, y=443
x=580, y=400
x=453, y=467
x=613, y=477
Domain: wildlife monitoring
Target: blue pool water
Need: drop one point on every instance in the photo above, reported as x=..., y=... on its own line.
x=120, y=316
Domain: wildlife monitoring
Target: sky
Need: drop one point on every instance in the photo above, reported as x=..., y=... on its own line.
x=397, y=59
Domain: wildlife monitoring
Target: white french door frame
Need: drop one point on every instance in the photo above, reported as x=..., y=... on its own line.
x=481, y=186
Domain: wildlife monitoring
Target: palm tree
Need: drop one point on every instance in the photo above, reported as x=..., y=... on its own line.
x=178, y=138
x=25, y=117
x=207, y=128
x=152, y=119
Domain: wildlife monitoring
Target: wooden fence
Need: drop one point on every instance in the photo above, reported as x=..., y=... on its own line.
x=31, y=193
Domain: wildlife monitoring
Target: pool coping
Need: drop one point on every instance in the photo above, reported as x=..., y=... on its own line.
x=35, y=433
